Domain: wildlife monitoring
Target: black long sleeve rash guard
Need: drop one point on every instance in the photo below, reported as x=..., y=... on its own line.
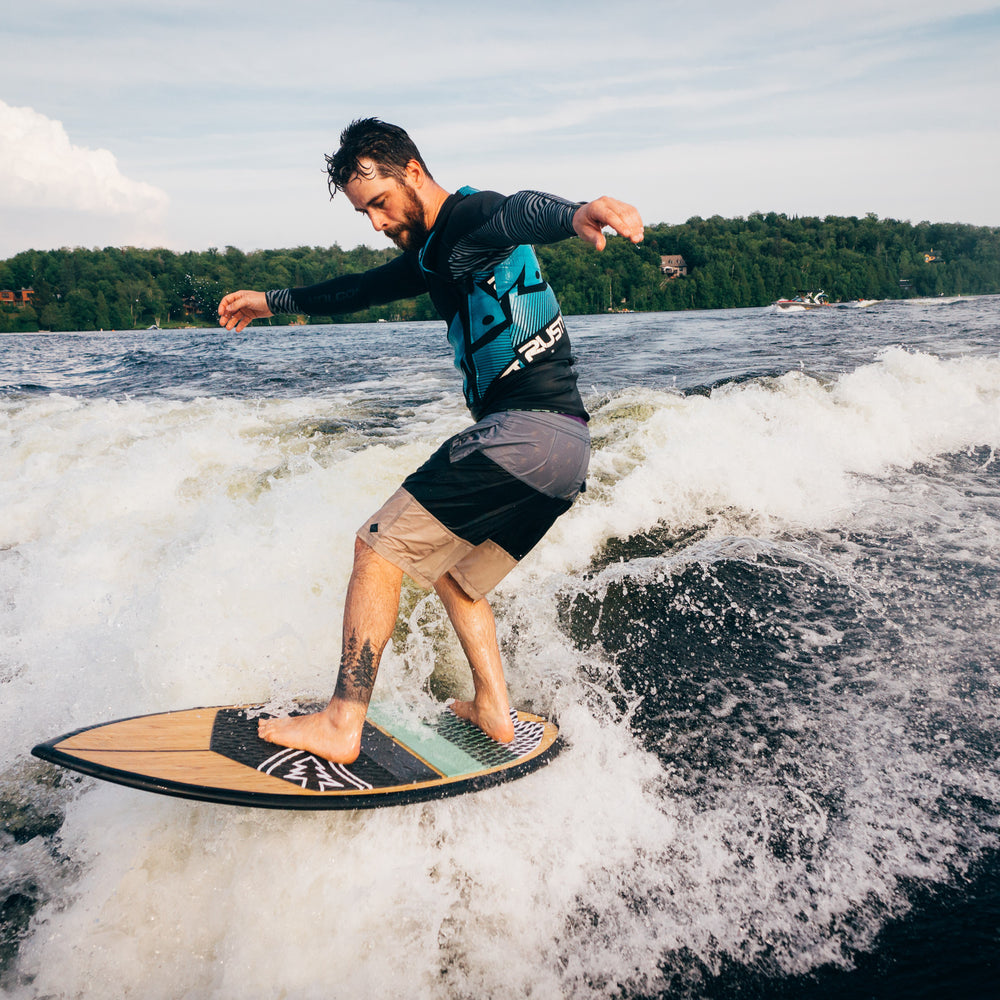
x=478, y=265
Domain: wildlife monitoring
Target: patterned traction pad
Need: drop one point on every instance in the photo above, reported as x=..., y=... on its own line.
x=447, y=748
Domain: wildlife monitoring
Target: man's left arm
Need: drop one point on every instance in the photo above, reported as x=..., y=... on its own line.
x=528, y=217
x=533, y=217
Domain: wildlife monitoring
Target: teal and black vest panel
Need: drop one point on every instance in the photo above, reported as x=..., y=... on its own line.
x=510, y=319
x=504, y=322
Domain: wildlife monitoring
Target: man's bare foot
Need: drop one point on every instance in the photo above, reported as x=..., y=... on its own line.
x=494, y=721
x=333, y=734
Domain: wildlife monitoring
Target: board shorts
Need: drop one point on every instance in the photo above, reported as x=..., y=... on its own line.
x=483, y=500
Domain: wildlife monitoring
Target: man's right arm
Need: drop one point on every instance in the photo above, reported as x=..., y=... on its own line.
x=399, y=279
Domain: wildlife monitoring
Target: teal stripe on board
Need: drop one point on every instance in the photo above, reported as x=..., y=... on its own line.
x=439, y=752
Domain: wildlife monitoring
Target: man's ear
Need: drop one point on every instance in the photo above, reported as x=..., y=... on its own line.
x=415, y=174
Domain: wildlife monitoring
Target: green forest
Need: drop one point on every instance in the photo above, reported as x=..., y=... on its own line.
x=732, y=263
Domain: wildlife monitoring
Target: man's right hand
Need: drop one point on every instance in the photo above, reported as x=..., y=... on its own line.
x=238, y=309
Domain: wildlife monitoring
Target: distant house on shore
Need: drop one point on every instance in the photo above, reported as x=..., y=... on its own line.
x=673, y=265
x=17, y=299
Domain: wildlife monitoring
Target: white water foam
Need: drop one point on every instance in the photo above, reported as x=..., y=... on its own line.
x=788, y=450
x=158, y=554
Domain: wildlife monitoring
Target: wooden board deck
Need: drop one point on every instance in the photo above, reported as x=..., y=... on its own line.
x=214, y=754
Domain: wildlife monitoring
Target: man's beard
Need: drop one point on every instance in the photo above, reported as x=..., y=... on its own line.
x=412, y=233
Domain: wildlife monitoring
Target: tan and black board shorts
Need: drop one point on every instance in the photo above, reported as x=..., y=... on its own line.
x=483, y=500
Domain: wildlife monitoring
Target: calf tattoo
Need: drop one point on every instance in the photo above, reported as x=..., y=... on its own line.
x=357, y=671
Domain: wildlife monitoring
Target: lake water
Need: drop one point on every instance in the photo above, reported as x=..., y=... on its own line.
x=768, y=631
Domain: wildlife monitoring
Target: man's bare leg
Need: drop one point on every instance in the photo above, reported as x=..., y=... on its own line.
x=370, y=612
x=477, y=631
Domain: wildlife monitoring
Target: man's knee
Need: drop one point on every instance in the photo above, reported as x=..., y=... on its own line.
x=448, y=587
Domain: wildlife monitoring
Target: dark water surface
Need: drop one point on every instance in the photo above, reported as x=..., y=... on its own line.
x=768, y=629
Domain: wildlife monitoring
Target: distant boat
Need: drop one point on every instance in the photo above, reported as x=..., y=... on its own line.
x=803, y=300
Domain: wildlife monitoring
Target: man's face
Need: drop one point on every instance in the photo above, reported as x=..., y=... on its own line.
x=393, y=207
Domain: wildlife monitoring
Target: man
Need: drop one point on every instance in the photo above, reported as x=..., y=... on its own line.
x=465, y=518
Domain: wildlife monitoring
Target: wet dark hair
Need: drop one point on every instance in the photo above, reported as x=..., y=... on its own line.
x=387, y=146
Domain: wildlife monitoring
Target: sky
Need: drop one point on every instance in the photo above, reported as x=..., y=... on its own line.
x=190, y=125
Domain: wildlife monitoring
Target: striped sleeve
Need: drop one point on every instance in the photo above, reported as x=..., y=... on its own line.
x=527, y=217
x=279, y=300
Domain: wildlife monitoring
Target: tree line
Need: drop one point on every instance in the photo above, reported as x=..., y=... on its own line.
x=731, y=263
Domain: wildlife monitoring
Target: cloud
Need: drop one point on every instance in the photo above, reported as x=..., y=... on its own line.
x=41, y=169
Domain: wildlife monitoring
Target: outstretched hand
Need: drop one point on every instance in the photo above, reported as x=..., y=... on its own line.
x=238, y=309
x=624, y=219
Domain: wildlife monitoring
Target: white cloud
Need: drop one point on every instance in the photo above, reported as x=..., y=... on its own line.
x=40, y=168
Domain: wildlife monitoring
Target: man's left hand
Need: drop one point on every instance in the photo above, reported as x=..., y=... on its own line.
x=624, y=219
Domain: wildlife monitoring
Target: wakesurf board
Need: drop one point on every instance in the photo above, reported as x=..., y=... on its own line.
x=215, y=755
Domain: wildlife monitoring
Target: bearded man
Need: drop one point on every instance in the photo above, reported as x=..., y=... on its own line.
x=482, y=501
